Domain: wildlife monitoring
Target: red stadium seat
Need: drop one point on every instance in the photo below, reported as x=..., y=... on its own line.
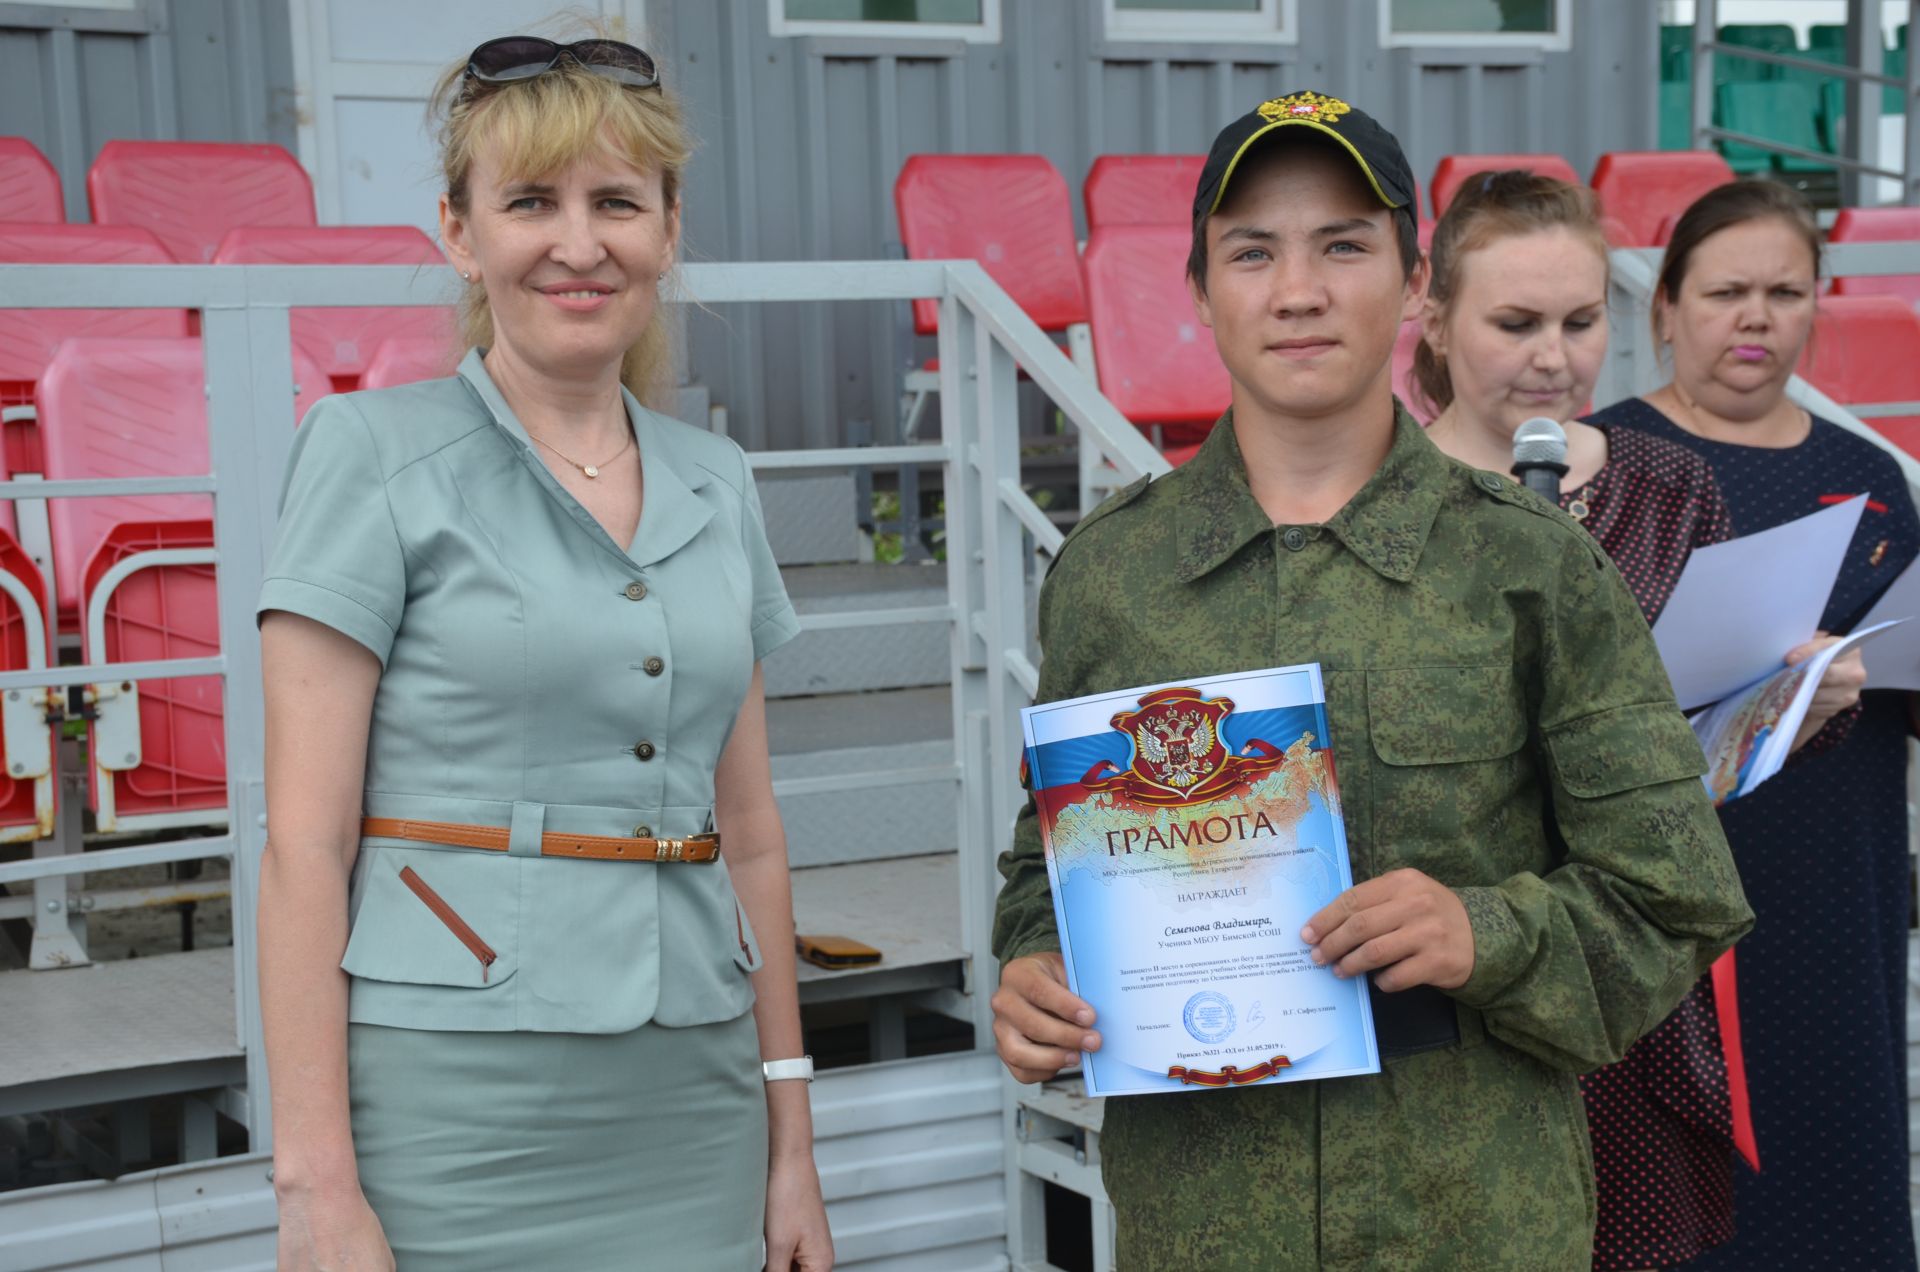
x=159, y=748
x=130, y=408
x=1157, y=363
x=1453, y=171
x=29, y=187
x=28, y=791
x=1011, y=213
x=28, y=337
x=127, y=408
x=406, y=359
x=342, y=341
x=1878, y=225
x=189, y=193
x=1141, y=190
x=1863, y=351
x=1639, y=189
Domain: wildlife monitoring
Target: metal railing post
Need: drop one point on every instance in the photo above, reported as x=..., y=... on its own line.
x=249, y=352
x=1910, y=150
x=1003, y=539
x=978, y=838
x=1706, y=23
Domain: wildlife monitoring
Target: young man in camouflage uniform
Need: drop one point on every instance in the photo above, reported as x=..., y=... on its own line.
x=1542, y=877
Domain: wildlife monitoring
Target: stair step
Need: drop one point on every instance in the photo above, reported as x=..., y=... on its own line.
x=846, y=659
x=901, y=739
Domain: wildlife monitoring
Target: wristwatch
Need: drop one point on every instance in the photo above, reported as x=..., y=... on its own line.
x=779, y=1070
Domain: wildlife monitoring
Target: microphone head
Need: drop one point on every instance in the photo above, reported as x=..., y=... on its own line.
x=1540, y=441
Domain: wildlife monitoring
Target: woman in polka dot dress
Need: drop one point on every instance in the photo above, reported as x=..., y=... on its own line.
x=1517, y=328
x=1822, y=847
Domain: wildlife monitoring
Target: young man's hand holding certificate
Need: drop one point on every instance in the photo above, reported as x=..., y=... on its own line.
x=1193, y=832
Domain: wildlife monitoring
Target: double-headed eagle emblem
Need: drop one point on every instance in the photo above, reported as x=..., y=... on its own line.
x=1317, y=107
x=1179, y=756
x=1177, y=745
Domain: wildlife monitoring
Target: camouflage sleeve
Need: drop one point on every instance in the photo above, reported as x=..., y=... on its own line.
x=1572, y=967
x=1023, y=915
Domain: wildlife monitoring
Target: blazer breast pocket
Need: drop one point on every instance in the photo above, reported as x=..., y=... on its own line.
x=436, y=918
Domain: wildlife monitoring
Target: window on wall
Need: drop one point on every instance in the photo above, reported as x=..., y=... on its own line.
x=976, y=20
x=1543, y=23
x=1180, y=20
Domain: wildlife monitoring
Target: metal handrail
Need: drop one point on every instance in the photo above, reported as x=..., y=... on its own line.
x=1822, y=157
x=1839, y=70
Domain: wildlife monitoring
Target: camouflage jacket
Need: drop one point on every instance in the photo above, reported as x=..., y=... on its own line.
x=1500, y=720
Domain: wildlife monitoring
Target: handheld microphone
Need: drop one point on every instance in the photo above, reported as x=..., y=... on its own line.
x=1540, y=456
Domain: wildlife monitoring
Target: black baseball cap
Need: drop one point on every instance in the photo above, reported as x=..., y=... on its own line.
x=1372, y=147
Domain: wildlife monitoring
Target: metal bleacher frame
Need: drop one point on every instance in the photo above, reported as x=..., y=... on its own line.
x=1863, y=20
x=996, y=536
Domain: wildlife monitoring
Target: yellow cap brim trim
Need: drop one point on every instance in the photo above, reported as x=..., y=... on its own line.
x=1317, y=126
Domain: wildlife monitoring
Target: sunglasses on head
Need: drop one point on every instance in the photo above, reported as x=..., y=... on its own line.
x=513, y=58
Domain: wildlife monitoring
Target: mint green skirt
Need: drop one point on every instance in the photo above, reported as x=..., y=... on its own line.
x=517, y=1151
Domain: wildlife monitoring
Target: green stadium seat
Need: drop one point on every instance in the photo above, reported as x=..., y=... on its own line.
x=1676, y=117
x=1676, y=54
x=1782, y=111
x=1827, y=35
x=1768, y=37
x=1833, y=114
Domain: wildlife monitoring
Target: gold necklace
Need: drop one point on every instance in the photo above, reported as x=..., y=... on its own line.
x=591, y=470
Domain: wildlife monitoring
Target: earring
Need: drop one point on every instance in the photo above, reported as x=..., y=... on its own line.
x=464, y=274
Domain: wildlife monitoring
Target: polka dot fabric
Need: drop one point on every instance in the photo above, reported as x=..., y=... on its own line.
x=1822, y=853
x=1661, y=1119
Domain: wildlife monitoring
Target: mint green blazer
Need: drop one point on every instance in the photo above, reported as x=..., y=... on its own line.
x=539, y=676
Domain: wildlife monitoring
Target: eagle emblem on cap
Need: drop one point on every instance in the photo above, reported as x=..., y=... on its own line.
x=1317, y=107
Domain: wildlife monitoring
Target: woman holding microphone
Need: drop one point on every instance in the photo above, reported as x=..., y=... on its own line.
x=1516, y=328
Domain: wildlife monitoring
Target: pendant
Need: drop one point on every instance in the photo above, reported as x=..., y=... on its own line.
x=591, y=471
x=1578, y=510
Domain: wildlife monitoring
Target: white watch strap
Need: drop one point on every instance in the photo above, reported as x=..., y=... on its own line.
x=779, y=1070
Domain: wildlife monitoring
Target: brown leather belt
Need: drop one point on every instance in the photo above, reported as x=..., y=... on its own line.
x=552, y=843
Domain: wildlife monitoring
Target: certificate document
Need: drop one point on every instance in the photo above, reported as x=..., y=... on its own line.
x=1191, y=831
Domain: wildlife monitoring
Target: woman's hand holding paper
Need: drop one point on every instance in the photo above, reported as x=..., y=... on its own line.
x=1839, y=689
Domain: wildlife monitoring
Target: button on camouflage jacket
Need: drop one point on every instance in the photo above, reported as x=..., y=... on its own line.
x=1500, y=720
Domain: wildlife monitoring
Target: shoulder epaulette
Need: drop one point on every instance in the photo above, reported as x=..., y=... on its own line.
x=1111, y=504
x=1515, y=495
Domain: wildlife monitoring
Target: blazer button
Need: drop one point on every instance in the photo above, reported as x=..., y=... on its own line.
x=644, y=750
x=654, y=666
x=643, y=832
x=636, y=591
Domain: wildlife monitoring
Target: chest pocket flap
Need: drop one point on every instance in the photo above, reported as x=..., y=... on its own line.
x=427, y=917
x=1623, y=748
x=1421, y=716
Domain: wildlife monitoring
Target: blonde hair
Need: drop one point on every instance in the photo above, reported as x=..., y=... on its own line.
x=1496, y=206
x=540, y=126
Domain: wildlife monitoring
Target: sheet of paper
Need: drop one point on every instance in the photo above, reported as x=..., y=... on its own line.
x=1740, y=606
x=1748, y=735
x=1895, y=660
x=1191, y=831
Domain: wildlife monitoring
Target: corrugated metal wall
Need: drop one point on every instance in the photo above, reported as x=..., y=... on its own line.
x=73, y=79
x=802, y=139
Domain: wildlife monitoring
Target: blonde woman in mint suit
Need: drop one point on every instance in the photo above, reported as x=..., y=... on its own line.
x=511, y=632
